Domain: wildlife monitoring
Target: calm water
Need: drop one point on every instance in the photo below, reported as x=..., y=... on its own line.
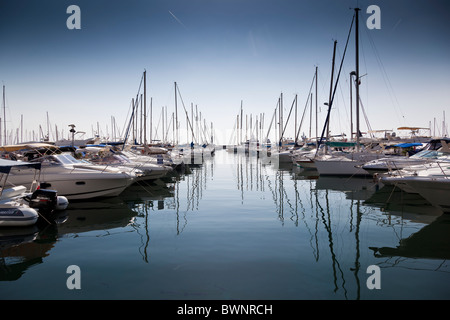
x=235, y=228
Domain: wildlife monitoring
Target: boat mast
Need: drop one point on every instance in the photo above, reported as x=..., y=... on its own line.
x=176, y=116
x=357, y=77
x=317, y=125
x=4, y=115
x=331, y=90
x=145, y=107
x=240, y=128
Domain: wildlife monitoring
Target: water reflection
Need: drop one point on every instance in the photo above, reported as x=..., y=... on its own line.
x=430, y=242
x=21, y=248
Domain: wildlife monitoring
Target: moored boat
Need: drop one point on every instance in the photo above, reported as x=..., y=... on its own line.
x=73, y=179
x=21, y=207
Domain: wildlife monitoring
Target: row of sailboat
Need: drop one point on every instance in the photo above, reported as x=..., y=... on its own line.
x=427, y=172
x=74, y=169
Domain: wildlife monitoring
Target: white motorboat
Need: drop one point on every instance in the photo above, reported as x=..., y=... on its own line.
x=73, y=179
x=432, y=182
x=435, y=190
x=13, y=211
x=436, y=149
x=304, y=157
x=21, y=207
x=345, y=165
x=150, y=171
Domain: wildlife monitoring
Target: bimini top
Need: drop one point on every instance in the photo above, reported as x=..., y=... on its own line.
x=17, y=147
x=408, y=145
x=6, y=165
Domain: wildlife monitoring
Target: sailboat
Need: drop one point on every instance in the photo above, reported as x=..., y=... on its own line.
x=346, y=163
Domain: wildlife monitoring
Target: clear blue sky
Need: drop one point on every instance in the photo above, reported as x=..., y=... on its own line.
x=220, y=52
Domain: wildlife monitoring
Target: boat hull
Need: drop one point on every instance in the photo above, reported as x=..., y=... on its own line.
x=434, y=190
x=78, y=184
x=306, y=163
x=398, y=182
x=340, y=168
x=17, y=216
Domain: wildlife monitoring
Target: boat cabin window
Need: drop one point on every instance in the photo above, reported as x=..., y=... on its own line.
x=429, y=154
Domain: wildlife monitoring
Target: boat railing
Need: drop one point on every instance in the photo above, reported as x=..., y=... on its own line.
x=443, y=171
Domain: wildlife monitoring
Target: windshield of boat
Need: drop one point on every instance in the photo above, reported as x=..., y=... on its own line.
x=67, y=159
x=122, y=158
x=113, y=159
x=429, y=154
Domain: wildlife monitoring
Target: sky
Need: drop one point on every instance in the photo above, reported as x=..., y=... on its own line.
x=222, y=54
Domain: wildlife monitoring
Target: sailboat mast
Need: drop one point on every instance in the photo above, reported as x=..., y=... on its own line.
x=4, y=115
x=145, y=107
x=176, y=116
x=317, y=125
x=331, y=89
x=357, y=76
x=241, y=132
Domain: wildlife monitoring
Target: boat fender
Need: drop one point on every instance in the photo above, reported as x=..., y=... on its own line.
x=61, y=203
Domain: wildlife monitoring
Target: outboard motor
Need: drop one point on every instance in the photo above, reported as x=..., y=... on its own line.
x=47, y=201
x=43, y=200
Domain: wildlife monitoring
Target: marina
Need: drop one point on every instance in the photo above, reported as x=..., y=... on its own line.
x=254, y=199
x=236, y=228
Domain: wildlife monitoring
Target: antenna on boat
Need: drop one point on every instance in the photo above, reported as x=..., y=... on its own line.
x=72, y=130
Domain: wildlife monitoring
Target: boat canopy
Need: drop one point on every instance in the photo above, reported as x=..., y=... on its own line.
x=412, y=128
x=340, y=144
x=408, y=145
x=6, y=165
x=17, y=147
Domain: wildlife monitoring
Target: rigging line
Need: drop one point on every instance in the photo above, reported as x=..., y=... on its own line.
x=306, y=105
x=285, y=125
x=187, y=116
x=271, y=122
x=132, y=113
x=385, y=76
x=344, y=103
x=335, y=86
x=366, y=118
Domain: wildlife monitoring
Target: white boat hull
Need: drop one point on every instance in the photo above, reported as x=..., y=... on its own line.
x=434, y=190
x=78, y=184
x=20, y=216
x=306, y=163
x=399, y=182
x=346, y=165
x=340, y=167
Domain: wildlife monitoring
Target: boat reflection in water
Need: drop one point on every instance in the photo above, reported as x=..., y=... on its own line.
x=430, y=242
